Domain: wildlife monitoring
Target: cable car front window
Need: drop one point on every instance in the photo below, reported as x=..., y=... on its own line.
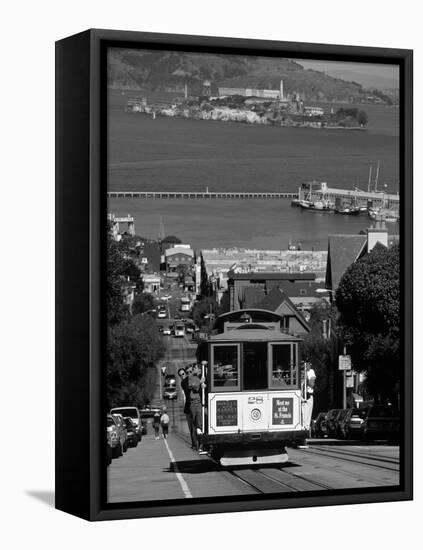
x=284, y=372
x=255, y=366
x=225, y=370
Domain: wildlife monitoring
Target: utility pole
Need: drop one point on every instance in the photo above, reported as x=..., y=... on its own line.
x=344, y=389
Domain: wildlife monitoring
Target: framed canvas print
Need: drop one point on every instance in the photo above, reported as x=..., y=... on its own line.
x=234, y=275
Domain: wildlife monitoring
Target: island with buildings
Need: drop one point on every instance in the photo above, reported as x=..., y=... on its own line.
x=262, y=106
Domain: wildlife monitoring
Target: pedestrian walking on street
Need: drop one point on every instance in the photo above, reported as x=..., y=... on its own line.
x=195, y=385
x=156, y=424
x=164, y=421
x=183, y=375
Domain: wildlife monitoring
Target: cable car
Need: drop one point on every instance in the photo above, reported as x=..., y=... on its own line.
x=253, y=398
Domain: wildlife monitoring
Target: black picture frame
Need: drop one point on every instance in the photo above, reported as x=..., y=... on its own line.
x=80, y=281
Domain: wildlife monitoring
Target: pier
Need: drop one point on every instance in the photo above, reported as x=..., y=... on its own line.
x=198, y=195
x=331, y=193
x=357, y=196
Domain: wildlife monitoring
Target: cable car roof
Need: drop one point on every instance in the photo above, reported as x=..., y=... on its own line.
x=253, y=335
x=256, y=316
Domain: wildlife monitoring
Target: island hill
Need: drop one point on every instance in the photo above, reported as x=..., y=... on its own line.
x=236, y=88
x=251, y=106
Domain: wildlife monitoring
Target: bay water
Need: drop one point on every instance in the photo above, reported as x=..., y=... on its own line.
x=169, y=154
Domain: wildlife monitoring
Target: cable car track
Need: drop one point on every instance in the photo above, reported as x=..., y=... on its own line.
x=373, y=462
x=350, y=452
x=292, y=483
x=270, y=480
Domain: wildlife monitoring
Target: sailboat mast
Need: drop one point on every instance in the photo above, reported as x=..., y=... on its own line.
x=377, y=175
x=370, y=179
x=161, y=230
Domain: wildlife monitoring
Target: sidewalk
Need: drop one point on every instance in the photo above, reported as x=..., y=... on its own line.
x=147, y=472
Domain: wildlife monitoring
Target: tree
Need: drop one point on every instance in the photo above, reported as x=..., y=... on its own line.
x=133, y=348
x=368, y=300
x=120, y=268
x=143, y=302
x=320, y=347
x=362, y=118
x=116, y=309
x=206, y=306
x=204, y=278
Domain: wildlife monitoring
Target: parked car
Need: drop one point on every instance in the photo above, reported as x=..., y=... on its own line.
x=318, y=425
x=170, y=392
x=351, y=425
x=162, y=314
x=134, y=414
x=170, y=380
x=331, y=422
x=381, y=422
x=113, y=438
x=179, y=330
x=123, y=434
x=147, y=417
x=131, y=431
x=167, y=331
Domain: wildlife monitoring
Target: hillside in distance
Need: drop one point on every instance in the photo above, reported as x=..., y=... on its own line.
x=170, y=71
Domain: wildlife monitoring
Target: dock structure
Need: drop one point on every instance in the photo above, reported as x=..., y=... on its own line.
x=198, y=195
x=331, y=193
x=116, y=220
x=320, y=191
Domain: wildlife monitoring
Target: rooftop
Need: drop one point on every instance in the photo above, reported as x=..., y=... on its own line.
x=271, y=275
x=343, y=250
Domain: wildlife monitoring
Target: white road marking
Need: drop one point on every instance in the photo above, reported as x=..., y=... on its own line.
x=181, y=480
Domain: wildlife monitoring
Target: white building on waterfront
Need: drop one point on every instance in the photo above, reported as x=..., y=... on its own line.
x=253, y=92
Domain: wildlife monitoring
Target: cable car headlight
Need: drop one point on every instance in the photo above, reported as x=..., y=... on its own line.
x=255, y=414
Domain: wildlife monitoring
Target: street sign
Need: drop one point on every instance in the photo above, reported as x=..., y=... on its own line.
x=349, y=382
x=344, y=362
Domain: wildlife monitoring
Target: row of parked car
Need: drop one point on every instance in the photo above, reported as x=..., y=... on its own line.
x=124, y=430
x=367, y=423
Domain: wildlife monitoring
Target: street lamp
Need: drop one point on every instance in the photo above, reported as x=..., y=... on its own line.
x=323, y=290
x=328, y=291
x=148, y=311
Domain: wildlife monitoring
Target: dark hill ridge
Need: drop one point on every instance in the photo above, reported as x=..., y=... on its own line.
x=170, y=71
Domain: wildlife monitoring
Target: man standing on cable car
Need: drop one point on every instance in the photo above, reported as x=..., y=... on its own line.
x=196, y=383
x=184, y=375
x=310, y=379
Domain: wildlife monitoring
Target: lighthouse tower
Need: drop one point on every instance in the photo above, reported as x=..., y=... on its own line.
x=207, y=88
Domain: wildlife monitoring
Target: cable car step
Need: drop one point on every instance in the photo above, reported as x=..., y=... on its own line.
x=254, y=457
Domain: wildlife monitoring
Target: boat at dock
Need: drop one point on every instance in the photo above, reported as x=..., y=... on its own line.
x=384, y=214
x=321, y=205
x=314, y=191
x=348, y=210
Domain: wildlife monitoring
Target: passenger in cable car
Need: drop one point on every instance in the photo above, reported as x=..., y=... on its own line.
x=279, y=377
x=225, y=375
